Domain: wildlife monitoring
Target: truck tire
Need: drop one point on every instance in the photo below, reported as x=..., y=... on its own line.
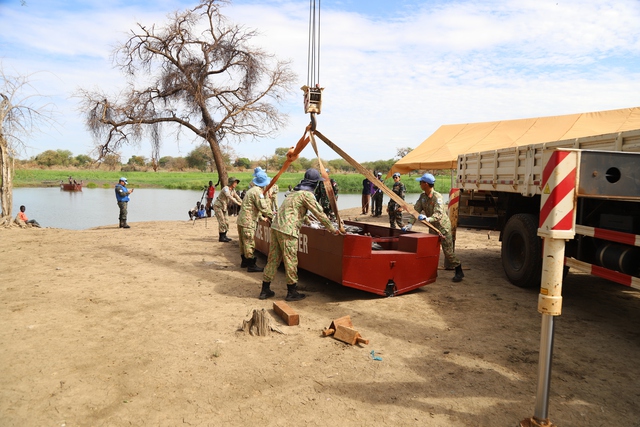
x=522, y=251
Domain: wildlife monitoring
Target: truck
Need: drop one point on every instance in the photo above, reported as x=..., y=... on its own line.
x=502, y=189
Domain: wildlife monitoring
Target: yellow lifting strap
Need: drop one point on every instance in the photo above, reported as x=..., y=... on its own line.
x=327, y=185
x=386, y=190
x=292, y=156
x=294, y=152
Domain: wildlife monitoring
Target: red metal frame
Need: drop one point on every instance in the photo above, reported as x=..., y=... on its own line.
x=407, y=261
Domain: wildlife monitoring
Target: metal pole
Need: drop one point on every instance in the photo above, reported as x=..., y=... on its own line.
x=541, y=410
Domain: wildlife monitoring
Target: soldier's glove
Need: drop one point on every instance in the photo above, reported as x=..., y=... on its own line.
x=422, y=217
x=406, y=227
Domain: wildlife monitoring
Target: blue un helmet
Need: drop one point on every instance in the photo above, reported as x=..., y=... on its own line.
x=428, y=178
x=261, y=179
x=396, y=175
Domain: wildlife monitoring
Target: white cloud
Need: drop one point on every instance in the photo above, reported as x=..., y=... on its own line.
x=391, y=78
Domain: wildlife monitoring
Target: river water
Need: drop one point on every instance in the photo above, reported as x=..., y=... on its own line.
x=95, y=207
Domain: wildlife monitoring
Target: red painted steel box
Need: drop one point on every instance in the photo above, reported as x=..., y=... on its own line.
x=403, y=261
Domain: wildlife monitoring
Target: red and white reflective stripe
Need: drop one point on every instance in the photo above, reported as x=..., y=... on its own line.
x=557, y=202
x=454, y=197
x=605, y=273
x=609, y=235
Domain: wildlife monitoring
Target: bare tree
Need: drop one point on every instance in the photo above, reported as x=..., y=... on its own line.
x=21, y=113
x=403, y=151
x=202, y=76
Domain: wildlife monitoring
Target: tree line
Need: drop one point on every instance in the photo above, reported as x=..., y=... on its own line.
x=199, y=158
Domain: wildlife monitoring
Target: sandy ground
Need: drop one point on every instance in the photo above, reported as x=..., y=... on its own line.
x=111, y=327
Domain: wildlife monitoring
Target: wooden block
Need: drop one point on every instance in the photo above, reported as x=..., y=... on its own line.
x=344, y=321
x=349, y=335
x=287, y=313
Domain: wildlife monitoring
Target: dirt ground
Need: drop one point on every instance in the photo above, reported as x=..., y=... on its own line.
x=111, y=327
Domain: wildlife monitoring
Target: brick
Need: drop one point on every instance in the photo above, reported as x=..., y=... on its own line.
x=288, y=314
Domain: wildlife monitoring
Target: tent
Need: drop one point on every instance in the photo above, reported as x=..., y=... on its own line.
x=441, y=149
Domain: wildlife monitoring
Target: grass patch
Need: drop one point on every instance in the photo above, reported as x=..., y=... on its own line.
x=347, y=183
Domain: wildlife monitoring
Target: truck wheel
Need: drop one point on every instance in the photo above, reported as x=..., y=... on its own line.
x=522, y=251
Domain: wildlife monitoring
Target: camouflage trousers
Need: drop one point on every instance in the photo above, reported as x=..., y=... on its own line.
x=282, y=247
x=247, y=240
x=221, y=216
x=451, y=261
x=123, y=211
x=395, y=215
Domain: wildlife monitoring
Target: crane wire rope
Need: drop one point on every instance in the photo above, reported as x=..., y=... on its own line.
x=313, y=52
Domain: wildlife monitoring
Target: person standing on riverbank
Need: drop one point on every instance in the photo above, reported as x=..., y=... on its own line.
x=211, y=192
x=393, y=209
x=226, y=197
x=376, y=199
x=366, y=195
x=253, y=206
x=122, y=196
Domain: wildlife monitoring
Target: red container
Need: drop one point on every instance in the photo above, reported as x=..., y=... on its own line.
x=406, y=260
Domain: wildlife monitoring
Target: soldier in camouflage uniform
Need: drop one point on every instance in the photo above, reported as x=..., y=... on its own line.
x=272, y=196
x=226, y=196
x=432, y=204
x=394, y=209
x=283, y=245
x=323, y=198
x=253, y=206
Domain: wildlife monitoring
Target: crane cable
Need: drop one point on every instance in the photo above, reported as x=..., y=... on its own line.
x=313, y=52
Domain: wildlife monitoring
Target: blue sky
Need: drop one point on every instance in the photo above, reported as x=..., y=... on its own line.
x=393, y=71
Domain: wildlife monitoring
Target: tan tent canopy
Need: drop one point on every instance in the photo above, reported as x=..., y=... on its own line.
x=441, y=150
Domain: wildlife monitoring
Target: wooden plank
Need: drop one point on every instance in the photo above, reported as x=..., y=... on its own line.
x=288, y=314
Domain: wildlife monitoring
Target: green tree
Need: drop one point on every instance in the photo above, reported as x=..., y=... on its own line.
x=242, y=162
x=341, y=165
x=197, y=73
x=199, y=158
x=164, y=161
x=111, y=161
x=279, y=157
x=82, y=160
x=304, y=163
x=54, y=158
x=179, y=164
x=137, y=161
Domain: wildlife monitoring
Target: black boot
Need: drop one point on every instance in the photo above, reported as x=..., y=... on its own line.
x=245, y=262
x=123, y=224
x=221, y=237
x=459, y=274
x=226, y=239
x=266, y=291
x=293, y=294
x=252, y=267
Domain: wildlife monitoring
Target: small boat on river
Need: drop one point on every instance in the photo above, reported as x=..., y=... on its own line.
x=369, y=257
x=71, y=186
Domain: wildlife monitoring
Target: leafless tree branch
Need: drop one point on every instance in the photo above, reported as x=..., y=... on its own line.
x=22, y=112
x=197, y=72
